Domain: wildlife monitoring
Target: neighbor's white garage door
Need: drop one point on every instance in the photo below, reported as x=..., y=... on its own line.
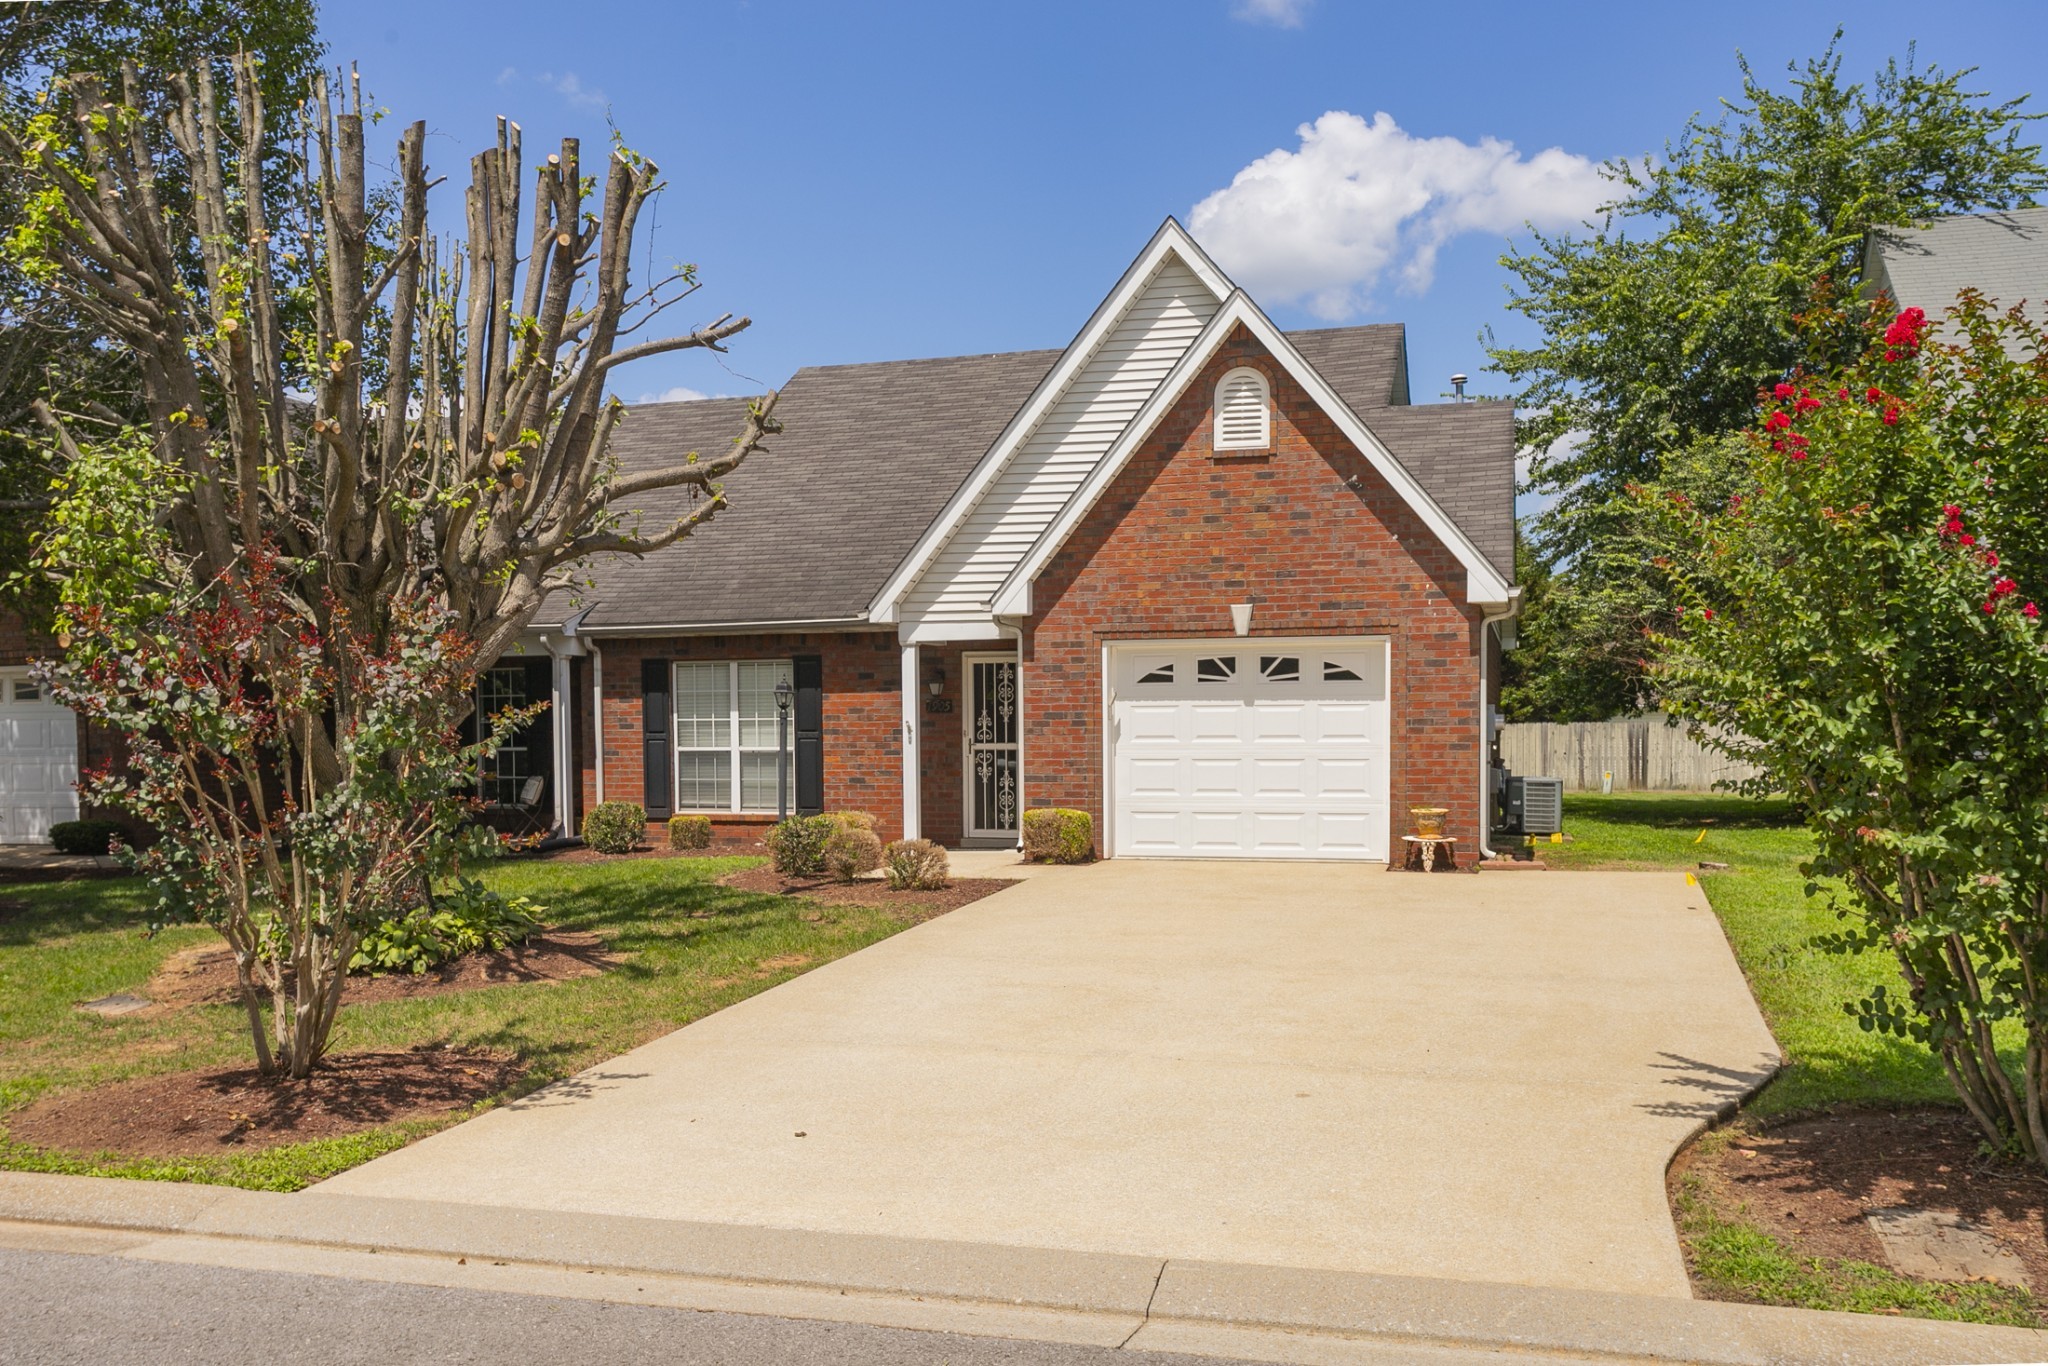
x=1249, y=748
x=38, y=761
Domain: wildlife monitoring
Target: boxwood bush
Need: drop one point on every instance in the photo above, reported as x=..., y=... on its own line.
x=797, y=845
x=1054, y=834
x=614, y=827
x=689, y=832
x=916, y=866
x=92, y=836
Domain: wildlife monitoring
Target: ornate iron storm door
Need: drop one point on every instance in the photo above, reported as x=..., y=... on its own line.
x=991, y=734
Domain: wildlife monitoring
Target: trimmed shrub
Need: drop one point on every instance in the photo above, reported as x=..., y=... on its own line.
x=916, y=866
x=798, y=845
x=689, y=832
x=465, y=920
x=614, y=827
x=859, y=820
x=1056, y=834
x=91, y=836
x=852, y=851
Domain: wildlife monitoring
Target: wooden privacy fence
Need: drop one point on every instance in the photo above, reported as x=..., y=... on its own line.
x=1644, y=753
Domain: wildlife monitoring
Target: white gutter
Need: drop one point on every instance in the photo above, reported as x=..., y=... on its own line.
x=732, y=628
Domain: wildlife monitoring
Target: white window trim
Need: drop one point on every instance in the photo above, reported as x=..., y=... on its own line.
x=733, y=749
x=1263, y=440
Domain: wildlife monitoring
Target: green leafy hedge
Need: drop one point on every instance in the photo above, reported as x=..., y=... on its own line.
x=614, y=827
x=689, y=832
x=90, y=836
x=1054, y=834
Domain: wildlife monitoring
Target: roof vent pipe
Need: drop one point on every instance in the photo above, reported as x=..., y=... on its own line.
x=1458, y=388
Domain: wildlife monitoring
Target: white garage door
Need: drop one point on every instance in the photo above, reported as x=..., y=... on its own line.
x=1250, y=748
x=38, y=761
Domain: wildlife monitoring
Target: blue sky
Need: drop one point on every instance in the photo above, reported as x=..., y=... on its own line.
x=870, y=182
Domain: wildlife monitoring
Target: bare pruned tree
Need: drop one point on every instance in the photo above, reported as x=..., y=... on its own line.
x=402, y=423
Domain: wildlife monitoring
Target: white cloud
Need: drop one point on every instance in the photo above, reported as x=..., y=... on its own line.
x=571, y=88
x=508, y=75
x=1323, y=224
x=679, y=394
x=1279, y=13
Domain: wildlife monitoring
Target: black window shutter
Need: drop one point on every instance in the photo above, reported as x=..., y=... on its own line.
x=808, y=678
x=655, y=714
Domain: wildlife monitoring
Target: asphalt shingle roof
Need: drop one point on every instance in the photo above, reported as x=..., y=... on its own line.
x=2002, y=255
x=872, y=453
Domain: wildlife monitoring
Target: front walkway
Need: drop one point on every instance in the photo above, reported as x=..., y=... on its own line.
x=1318, y=1066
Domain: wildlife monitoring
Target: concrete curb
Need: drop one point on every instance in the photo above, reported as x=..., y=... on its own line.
x=1261, y=1312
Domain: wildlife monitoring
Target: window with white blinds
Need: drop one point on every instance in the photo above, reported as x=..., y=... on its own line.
x=726, y=734
x=1244, y=417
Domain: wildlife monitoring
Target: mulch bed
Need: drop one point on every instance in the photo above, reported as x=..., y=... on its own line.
x=225, y=1110
x=1809, y=1182
x=868, y=891
x=583, y=853
x=206, y=975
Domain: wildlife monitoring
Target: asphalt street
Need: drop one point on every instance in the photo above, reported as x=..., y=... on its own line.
x=107, y=1311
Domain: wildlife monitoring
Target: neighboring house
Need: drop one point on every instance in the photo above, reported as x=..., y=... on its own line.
x=41, y=743
x=2003, y=256
x=1220, y=586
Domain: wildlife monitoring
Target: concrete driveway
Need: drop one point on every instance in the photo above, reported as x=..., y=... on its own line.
x=1311, y=1065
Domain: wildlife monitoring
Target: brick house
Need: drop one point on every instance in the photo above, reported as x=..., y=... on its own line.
x=1225, y=588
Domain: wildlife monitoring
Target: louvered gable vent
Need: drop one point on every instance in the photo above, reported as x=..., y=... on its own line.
x=1244, y=419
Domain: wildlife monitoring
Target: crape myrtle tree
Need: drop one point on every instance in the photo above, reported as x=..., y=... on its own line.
x=49, y=352
x=1862, y=620
x=1660, y=323
x=280, y=587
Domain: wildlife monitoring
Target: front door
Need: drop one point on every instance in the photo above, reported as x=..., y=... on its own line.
x=991, y=737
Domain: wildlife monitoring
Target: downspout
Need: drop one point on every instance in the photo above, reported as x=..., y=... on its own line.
x=597, y=715
x=1487, y=622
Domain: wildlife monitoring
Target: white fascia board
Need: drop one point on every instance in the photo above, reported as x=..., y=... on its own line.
x=1171, y=239
x=945, y=632
x=1484, y=584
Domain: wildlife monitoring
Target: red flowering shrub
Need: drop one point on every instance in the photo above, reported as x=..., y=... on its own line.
x=1867, y=634
x=292, y=869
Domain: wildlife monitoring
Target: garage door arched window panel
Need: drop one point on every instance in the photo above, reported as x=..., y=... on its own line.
x=725, y=715
x=1244, y=413
x=1280, y=668
x=1215, y=668
x=1163, y=673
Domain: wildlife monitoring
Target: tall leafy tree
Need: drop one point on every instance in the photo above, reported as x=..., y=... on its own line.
x=49, y=351
x=1662, y=324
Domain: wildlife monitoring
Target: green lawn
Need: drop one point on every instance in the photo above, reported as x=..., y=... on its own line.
x=690, y=948
x=1762, y=903
x=1770, y=921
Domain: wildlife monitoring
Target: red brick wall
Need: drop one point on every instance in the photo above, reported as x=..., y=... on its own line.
x=1183, y=533
x=862, y=733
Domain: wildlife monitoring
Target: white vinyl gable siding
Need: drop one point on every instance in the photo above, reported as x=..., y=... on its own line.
x=1055, y=458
